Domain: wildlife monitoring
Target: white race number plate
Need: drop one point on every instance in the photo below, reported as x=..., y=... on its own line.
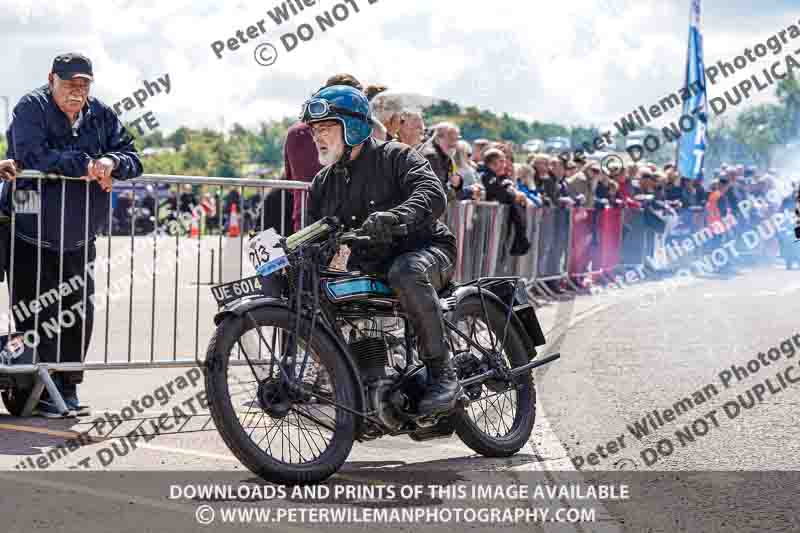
x=266, y=255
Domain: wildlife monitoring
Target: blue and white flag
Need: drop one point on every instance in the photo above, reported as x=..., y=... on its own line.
x=692, y=144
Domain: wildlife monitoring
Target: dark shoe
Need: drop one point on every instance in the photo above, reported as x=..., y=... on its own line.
x=70, y=395
x=48, y=409
x=443, y=390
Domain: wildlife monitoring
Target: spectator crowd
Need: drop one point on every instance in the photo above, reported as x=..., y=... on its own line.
x=494, y=170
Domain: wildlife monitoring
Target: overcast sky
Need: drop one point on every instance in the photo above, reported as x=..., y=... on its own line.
x=570, y=61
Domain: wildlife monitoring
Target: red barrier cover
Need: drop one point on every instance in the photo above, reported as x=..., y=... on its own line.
x=609, y=232
x=581, y=247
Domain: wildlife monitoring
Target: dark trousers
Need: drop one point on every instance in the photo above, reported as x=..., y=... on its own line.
x=76, y=315
x=415, y=277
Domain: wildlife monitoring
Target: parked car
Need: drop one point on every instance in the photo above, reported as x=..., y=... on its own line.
x=635, y=138
x=557, y=144
x=533, y=145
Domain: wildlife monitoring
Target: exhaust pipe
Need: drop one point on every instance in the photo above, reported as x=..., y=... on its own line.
x=533, y=364
x=514, y=372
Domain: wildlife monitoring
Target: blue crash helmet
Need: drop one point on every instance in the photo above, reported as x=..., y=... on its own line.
x=346, y=104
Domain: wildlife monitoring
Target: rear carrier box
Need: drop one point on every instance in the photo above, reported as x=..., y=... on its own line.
x=515, y=294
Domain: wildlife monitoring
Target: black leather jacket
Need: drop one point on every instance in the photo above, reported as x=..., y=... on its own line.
x=386, y=176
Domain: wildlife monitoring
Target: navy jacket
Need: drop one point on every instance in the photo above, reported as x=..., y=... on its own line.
x=41, y=138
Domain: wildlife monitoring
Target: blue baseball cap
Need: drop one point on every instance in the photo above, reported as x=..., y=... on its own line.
x=70, y=66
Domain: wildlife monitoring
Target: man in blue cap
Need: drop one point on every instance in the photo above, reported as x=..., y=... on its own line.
x=60, y=129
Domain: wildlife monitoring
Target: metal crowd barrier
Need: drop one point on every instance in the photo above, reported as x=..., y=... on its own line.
x=564, y=243
x=165, y=239
x=154, y=258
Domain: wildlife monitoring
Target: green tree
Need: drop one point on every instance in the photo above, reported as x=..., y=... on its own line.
x=167, y=163
x=760, y=128
x=579, y=135
x=441, y=110
x=788, y=93
x=227, y=160
x=154, y=139
x=196, y=157
x=269, y=143
x=543, y=130
x=179, y=137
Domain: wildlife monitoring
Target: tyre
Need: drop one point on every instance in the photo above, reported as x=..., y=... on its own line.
x=14, y=400
x=499, y=419
x=298, y=441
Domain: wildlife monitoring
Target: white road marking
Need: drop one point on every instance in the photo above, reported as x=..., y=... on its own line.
x=195, y=453
x=551, y=446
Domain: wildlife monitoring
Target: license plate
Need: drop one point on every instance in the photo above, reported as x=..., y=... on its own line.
x=228, y=292
x=266, y=254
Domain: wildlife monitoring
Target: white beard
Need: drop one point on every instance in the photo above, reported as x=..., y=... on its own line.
x=333, y=154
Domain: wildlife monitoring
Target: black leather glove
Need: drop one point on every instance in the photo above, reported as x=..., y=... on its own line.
x=379, y=226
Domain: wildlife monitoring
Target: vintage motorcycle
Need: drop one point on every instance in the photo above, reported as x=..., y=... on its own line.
x=305, y=360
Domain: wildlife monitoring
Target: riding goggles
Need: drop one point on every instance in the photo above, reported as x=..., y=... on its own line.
x=317, y=108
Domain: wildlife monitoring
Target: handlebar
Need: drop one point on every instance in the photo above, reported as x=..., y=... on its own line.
x=400, y=230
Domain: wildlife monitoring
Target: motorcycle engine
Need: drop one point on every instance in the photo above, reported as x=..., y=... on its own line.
x=372, y=356
x=371, y=353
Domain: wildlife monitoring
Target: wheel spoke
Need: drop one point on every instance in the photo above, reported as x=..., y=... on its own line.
x=493, y=413
x=304, y=435
x=291, y=444
x=314, y=419
x=309, y=429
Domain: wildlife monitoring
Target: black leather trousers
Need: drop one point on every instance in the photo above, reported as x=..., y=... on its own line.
x=415, y=277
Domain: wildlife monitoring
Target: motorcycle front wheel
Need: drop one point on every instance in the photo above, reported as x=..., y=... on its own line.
x=284, y=437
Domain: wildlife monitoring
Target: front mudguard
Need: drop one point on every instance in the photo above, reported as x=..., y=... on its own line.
x=531, y=336
x=241, y=307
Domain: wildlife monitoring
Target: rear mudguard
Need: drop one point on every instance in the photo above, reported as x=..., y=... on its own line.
x=470, y=290
x=240, y=307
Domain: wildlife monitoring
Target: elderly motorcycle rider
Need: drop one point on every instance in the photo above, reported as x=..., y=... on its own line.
x=374, y=185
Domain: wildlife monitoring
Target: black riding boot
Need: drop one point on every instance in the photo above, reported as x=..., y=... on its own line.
x=443, y=388
x=415, y=277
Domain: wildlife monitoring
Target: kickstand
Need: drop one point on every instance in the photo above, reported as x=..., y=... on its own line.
x=44, y=380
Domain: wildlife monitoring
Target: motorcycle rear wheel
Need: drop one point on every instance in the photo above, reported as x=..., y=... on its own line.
x=500, y=421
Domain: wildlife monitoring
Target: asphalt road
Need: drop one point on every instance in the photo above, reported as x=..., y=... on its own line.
x=653, y=353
